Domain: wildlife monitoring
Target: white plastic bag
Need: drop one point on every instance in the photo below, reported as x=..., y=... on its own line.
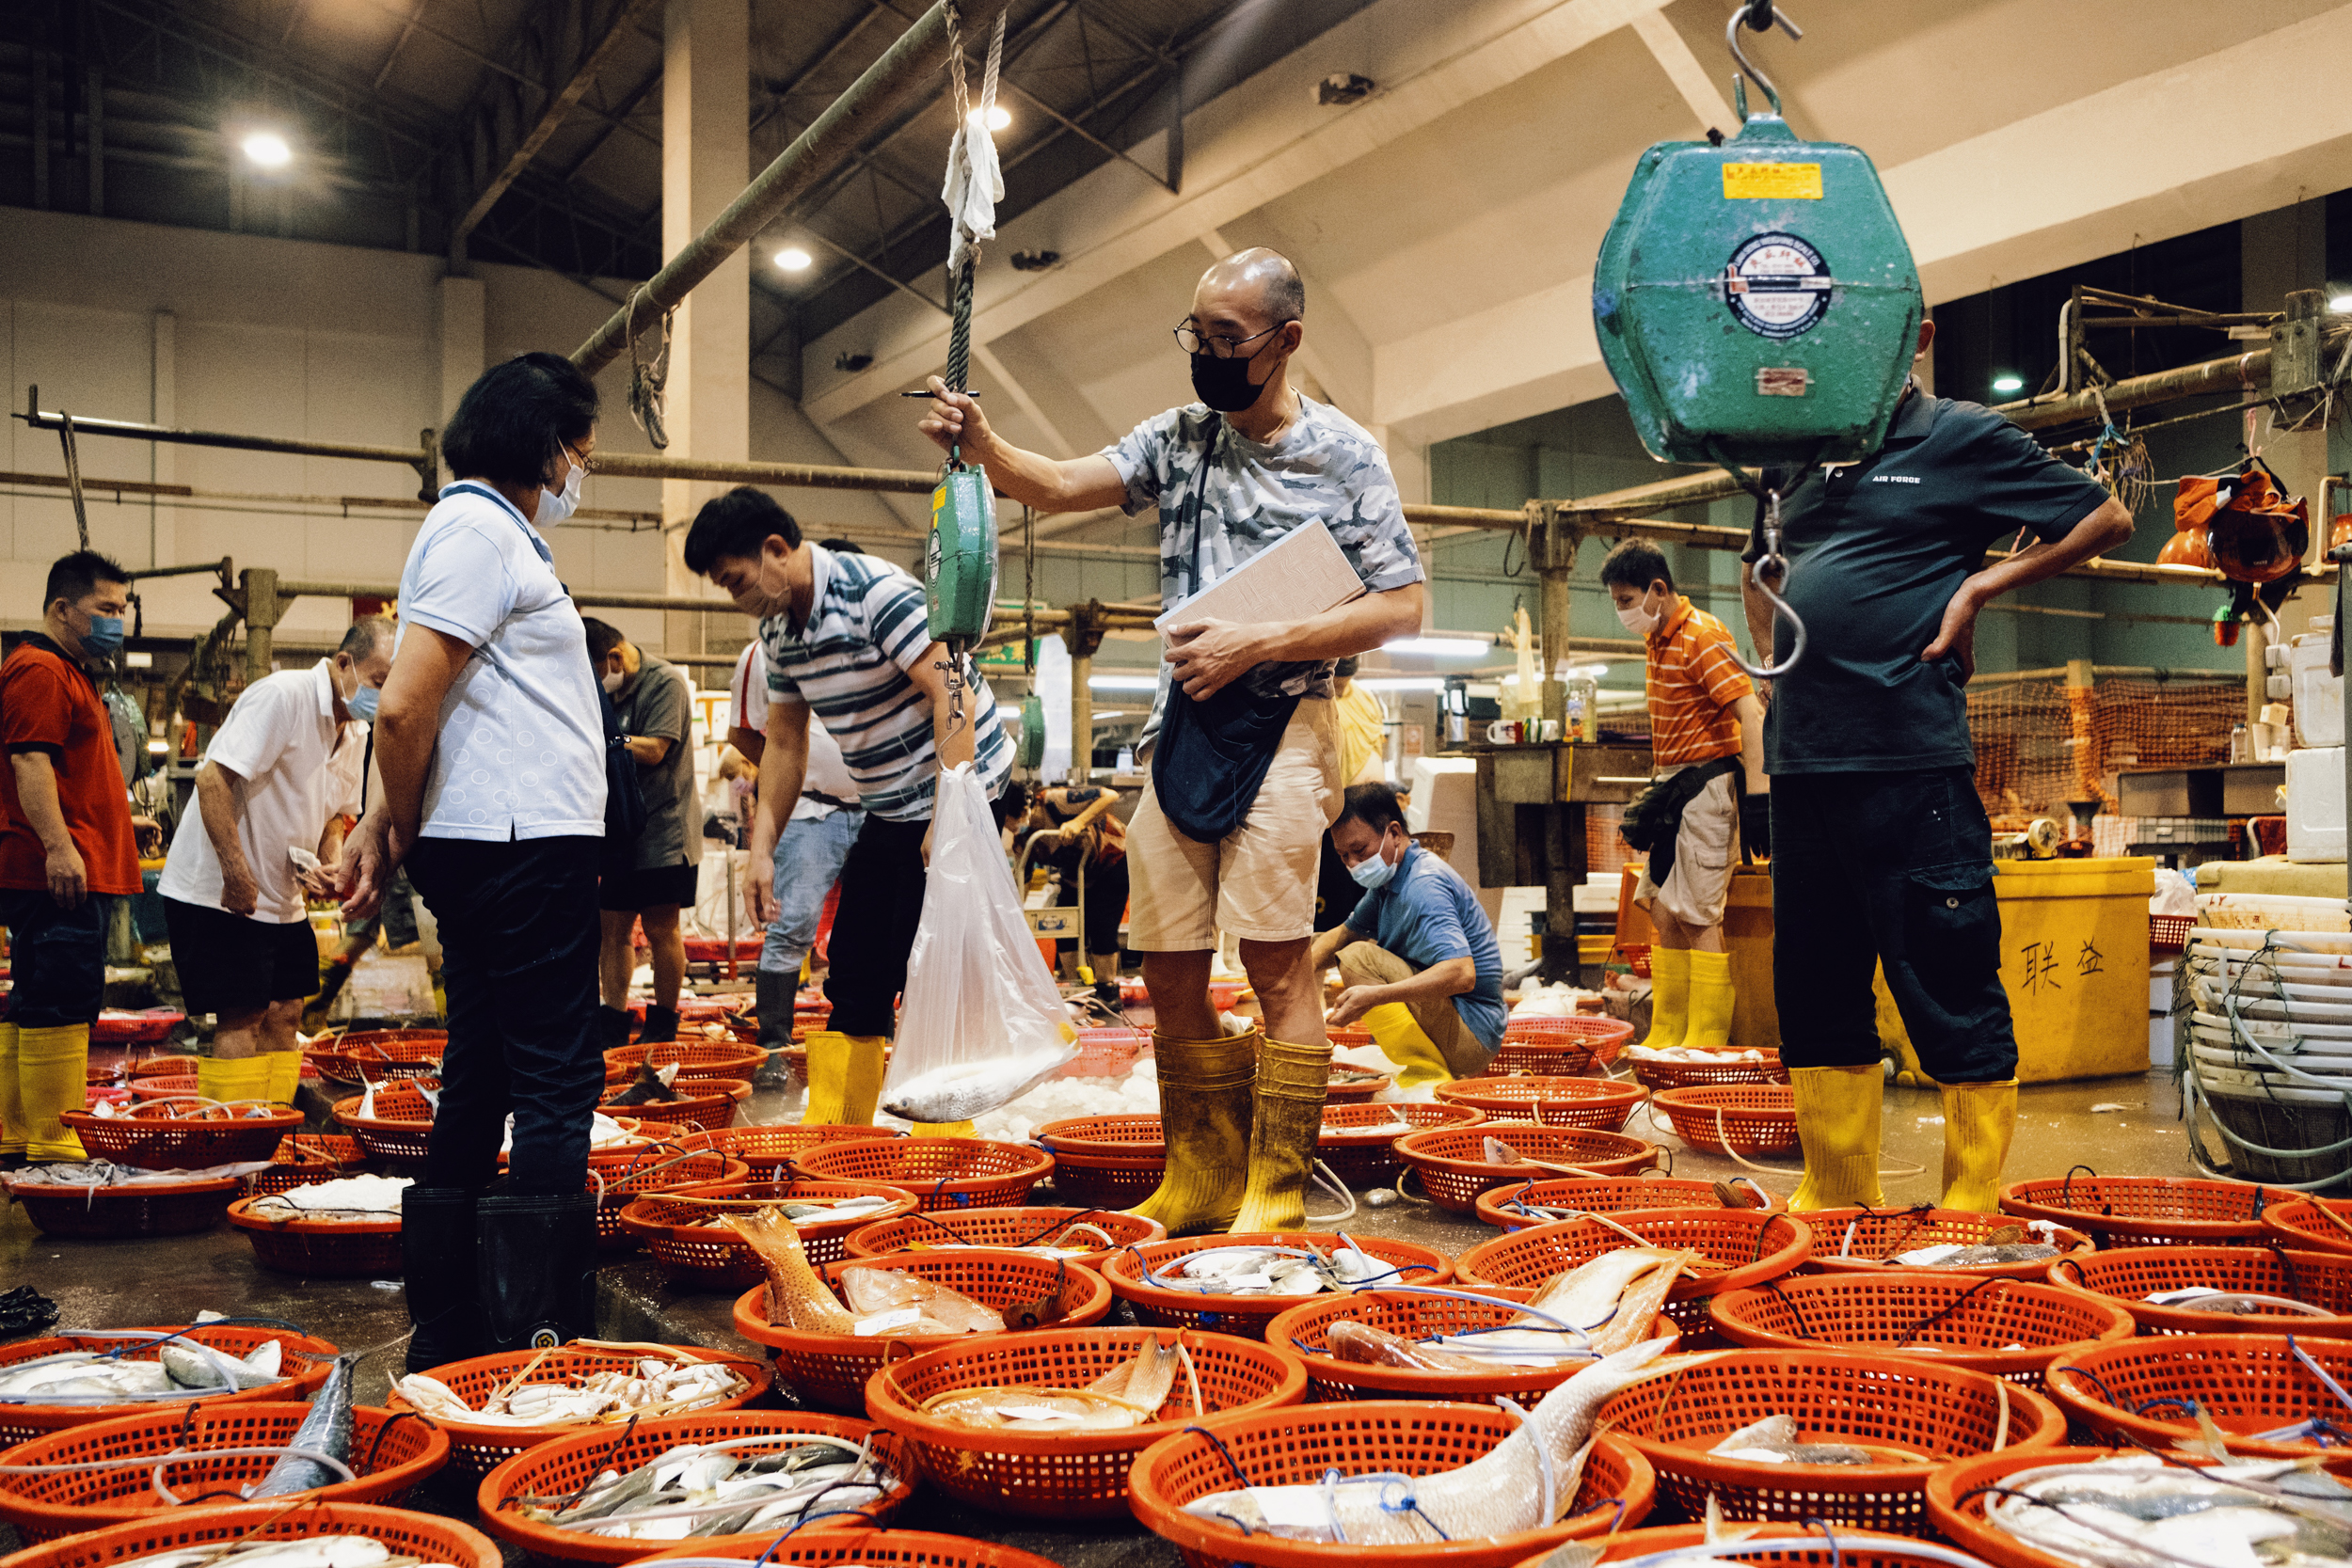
x=980, y=1023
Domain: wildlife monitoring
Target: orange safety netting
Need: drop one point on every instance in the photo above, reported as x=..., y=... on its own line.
x=2040, y=744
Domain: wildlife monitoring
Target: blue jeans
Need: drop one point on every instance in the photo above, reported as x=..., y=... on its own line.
x=58, y=957
x=808, y=863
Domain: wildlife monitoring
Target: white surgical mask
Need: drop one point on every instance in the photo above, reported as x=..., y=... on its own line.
x=613, y=679
x=556, y=505
x=1375, y=871
x=1638, y=620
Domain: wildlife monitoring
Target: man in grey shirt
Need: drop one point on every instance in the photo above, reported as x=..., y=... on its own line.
x=651, y=877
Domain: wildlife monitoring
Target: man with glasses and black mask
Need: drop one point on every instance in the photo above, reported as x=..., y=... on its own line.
x=1245, y=748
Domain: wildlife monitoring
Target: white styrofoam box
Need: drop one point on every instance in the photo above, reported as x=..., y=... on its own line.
x=2159, y=1039
x=2160, y=994
x=1589, y=899
x=2316, y=804
x=1445, y=800
x=2318, y=696
x=1515, y=927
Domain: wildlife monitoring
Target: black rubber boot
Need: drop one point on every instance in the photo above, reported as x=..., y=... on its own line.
x=660, y=1024
x=537, y=1267
x=436, y=1255
x=612, y=1028
x=776, y=991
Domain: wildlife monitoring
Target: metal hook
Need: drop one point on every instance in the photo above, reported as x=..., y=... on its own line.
x=1760, y=16
x=1779, y=564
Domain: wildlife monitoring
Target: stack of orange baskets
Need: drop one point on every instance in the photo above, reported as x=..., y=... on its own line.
x=1105, y=1161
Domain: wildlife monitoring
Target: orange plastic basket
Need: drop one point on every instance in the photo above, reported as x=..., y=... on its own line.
x=143, y=1209
x=182, y=1135
x=1364, y=1159
x=1002, y=1230
x=1951, y=1320
x=2129, y=1276
x=1105, y=1161
x=898, y=1549
x=1599, y=1104
x=1560, y=1047
x=1684, y=1075
x=2309, y=1225
x=831, y=1369
x=160, y=1066
x=322, y=1248
x=424, y=1536
x=1161, y=1307
x=1852, y=1548
x=1349, y=1085
x=1957, y=1496
x=705, y=1105
x=284, y=1176
x=477, y=1447
x=2145, y=1210
x=1856, y=1240
x=1297, y=1446
x=1936, y=1412
x=696, y=1255
x=696, y=1059
x=560, y=1468
x=390, y=1455
x=1726, y=1119
x=398, y=1133
x=2248, y=1383
x=654, y=1168
x=768, y=1149
x=1564, y=1197
x=1304, y=1328
x=1740, y=1247
x=942, y=1173
x=376, y=1055
x=144, y=1089
x=1454, y=1168
x=1065, y=1475
x=21, y=1423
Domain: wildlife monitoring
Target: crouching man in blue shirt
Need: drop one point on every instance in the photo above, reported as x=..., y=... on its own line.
x=1417, y=954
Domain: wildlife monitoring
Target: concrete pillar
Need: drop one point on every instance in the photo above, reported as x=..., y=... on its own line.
x=2280, y=251
x=705, y=162
x=162, y=407
x=462, y=315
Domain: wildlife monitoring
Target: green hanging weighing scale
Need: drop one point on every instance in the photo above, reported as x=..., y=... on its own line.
x=1756, y=303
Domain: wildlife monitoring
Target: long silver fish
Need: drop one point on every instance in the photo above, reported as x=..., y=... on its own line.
x=326, y=1429
x=960, y=1093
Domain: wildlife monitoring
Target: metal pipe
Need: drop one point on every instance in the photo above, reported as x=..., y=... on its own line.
x=908, y=67
x=222, y=568
x=424, y=457
x=632, y=465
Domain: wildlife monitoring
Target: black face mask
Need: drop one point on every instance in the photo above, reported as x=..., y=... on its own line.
x=1224, y=385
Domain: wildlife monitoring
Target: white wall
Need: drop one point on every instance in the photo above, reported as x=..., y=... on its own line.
x=265, y=336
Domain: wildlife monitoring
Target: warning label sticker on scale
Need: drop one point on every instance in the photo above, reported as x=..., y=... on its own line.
x=1777, y=285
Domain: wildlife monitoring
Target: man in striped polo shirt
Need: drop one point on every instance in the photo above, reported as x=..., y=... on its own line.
x=1706, y=740
x=847, y=638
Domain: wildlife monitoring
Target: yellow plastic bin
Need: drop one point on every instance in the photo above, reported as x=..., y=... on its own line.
x=2074, y=962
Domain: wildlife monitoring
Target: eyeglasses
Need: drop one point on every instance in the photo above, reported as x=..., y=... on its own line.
x=1192, y=342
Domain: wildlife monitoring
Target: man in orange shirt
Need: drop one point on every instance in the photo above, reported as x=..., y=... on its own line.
x=1707, y=740
x=66, y=852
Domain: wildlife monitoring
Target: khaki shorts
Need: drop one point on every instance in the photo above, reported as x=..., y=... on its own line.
x=1699, y=885
x=1257, y=883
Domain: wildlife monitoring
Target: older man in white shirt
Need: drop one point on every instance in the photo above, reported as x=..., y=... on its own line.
x=276, y=779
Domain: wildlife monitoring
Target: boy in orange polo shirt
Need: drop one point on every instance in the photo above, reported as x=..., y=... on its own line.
x=66, y=852
x=1707, y=738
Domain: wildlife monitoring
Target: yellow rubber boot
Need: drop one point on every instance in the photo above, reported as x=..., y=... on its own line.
x=1979, y=1121
x=285, y=1075
x=1710, y=1002
x=1837, y=1121
x=11, y=1098
x=845, y=1078
x=1669, y=997
x=52, y=1074
x=939, y=1129
x=1402, y=1040
x=1286, y=1119
x=1206, y=1089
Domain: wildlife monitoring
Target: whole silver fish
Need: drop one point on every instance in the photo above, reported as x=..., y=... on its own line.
x=326, y=1429
x=960, y=1093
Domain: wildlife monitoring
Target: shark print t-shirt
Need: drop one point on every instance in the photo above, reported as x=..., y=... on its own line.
x=1324, y=468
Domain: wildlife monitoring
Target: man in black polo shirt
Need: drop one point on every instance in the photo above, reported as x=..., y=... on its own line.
x=1880, y=849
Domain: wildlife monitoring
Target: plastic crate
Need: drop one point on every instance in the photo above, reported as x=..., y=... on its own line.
x=1159, y=1307
x=1074, y=1473
x=1910, y=1407
x=1957, y=1320
x=1739, y=1247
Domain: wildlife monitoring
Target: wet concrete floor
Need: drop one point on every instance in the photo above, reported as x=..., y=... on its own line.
x=120, y=1284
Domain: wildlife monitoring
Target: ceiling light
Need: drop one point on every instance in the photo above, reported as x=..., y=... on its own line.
x=1401, y=683
x=268, y=149
x=1123, y=682
x=2340, y=305
x=792, y=259
x=2009, y=381
x=1440, y=647
x=998, y=116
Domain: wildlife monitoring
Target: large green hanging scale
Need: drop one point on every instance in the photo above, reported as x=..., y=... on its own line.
x=1756, y=300
x=960, y=561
